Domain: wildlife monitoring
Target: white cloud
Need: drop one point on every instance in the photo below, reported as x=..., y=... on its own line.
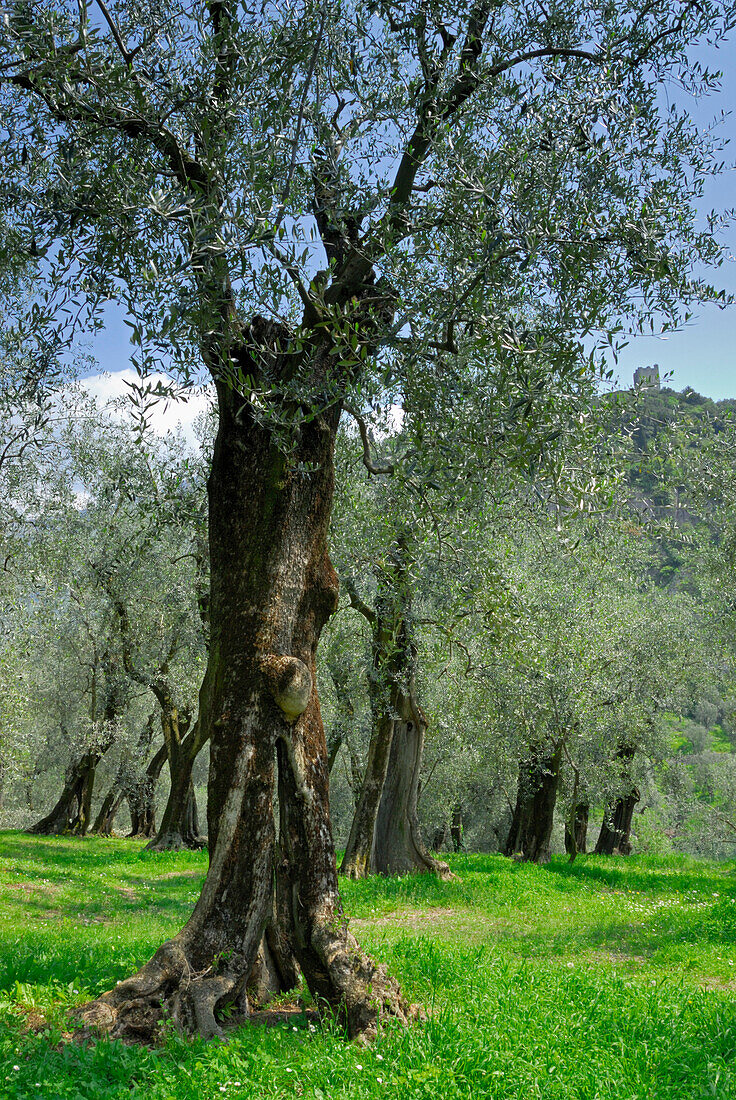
x=112, y=392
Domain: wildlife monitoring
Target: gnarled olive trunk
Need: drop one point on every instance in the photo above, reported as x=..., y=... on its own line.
x=142, y=797
x=72, y=812
x=398, y=846
x=531, y=826
x=576, y=830
x=614, y=838
x=359, y=860
x=615, y=835
x=456, y=828
x=272, y=590
x=385, y=836
x=107, y=812
x=180, y=821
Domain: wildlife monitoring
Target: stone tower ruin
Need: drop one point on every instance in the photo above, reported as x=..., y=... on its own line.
x=647, y=377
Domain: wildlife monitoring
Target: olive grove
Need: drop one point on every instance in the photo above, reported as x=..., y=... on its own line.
x=321, y=208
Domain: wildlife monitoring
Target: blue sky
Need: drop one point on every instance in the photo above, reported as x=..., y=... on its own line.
x=701, y=356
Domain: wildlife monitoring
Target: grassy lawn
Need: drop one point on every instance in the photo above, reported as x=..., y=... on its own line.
x=607, y=978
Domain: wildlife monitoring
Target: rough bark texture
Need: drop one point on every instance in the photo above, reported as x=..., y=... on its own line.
x=385, y=836
x=180, y=821
x=142, y=797
x=272, y=590
x=439, y=836
x=111, y=803
x=531, y=826
x=456, y=828
x=359, y=860
x=398, y=847
x=615, y=835
x=71, y=814
x=576, y=831
x=614, y=838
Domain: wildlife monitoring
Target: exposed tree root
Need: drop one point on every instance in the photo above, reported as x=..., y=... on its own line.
x=168, y=989
x=368, y=995
x=175, y=842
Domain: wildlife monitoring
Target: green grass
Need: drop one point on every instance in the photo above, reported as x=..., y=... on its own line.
x=598, y=980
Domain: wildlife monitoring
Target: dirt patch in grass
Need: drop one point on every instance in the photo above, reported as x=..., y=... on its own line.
x=128, y=892
x=614, y=958
x=436, y=921
x=30, y=888
x=720, y=985
x=175, y=874
x=33, y=1018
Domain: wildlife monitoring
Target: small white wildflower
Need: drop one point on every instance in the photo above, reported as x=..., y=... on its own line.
x=358, y=1065
x=16, y=1067
x=380, y=1080
x=295, y=1029
x=289, y=1070
x=379, y=1057
x=223, y=1088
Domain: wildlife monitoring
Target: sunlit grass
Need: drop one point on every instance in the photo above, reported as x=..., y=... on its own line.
x=601, y=979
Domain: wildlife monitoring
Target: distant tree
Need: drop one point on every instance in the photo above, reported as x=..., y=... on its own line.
x=319, y=205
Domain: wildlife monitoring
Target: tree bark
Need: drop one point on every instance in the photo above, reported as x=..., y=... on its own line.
x=576, y=837
x=531, y=826
x=438, y=839
x=272, y=589
x=614, y=838
x=176, y=830
x=456, y=828
x=72, y=812
x=111, y=803
x=385, y=836
x=398, y=847
x=142, y=797
x=359, y=858
x=615, y=835
x=180, y=822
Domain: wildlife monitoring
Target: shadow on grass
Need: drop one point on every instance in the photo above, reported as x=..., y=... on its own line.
x=626, y=874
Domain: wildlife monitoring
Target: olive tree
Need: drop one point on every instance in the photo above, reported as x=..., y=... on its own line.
x=317, y=204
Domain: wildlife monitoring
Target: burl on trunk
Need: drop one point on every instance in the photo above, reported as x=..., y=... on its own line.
x=272, y=590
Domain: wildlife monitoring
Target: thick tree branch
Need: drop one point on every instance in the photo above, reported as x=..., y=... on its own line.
x=370, y=465
x=71, y=108
x=357, y=603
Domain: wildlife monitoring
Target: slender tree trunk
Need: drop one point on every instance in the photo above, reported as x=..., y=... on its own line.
x=385, y=837
x=180, y=822
x=272, y=590
x=576, y=837
x=108, y=810
x=531, y=826
x=456, y=828
x=142, y=797
x=615, y=835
